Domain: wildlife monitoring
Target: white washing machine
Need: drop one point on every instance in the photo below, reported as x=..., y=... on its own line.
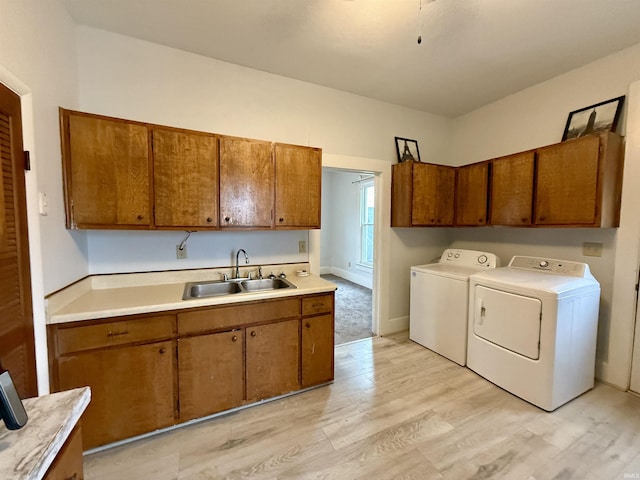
x=439, y=301
x=533, y=328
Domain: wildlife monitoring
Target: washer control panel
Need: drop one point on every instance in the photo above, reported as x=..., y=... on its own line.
x=469, y=258
x=550, y=265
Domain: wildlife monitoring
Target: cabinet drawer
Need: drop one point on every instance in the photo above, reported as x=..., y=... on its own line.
x=319, y=304
x=237, y=315
x=86, y=337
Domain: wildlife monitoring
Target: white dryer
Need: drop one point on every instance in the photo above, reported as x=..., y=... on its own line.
x=533, y=327
x=439, y=301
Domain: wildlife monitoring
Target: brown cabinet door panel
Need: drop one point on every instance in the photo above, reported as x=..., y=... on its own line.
x=472, y=194
x=273, y=356
x=567, y=183
x=433, y=194
x=317, y=350
x=298, y=186
x=185, y=172
x=108, y=171
x=246, y=183
x=132, y=390
x=210, y=373
x=512, y=189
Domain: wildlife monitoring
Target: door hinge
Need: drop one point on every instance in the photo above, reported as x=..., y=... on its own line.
x=27, y=160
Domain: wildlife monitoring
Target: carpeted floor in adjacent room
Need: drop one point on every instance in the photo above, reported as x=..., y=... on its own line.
x=352, y=310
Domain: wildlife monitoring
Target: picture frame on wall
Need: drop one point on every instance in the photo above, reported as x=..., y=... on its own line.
x=407, y=149
x=601, y=117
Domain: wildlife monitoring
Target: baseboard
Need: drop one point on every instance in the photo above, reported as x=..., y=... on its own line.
x=362, y=280
x=394, y=325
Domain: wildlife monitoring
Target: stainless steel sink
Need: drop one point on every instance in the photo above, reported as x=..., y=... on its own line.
x=215, y=288
x=209, y=289
x=261, y=284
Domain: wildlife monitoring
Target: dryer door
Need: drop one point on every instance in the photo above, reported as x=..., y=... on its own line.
x=508, y=320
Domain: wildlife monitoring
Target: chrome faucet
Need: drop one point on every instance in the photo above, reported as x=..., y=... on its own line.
x=246, y=260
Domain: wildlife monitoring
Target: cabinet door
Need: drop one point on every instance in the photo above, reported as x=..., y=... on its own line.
x=433, y=195
x=512, y=190
x=298, y=186
x=567, y=183
x=472, y=194
x=68, y=464
x=317, y=350
x=132, y=390
x=185, y=173
x=246, y=183
x=210, y=373
x=273, y=355
x=106, y=164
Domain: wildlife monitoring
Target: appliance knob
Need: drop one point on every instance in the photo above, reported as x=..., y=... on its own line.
x=482, y=259
x=457, y=255
x=449, y=254
x=544, y=264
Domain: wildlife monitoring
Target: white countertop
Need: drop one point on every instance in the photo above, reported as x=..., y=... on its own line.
x=104, y=296
x=28, y=453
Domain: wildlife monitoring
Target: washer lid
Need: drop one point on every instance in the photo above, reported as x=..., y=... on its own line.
x=534, y=283
x=447, y=270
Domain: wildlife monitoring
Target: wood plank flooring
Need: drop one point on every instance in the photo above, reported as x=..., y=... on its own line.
x=395, y=411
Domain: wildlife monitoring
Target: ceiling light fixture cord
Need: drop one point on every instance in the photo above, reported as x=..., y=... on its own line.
x=420, y=24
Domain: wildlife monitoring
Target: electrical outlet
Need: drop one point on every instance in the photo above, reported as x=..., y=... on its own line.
x=302, y=246
x=181, y=254
x=590, y=249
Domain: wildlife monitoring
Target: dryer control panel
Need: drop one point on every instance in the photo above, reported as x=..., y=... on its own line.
x=550, y=265
x=469, y=258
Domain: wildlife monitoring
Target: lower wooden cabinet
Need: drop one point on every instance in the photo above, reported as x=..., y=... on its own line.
x=273, y=353
x=132, y=390
x=317, y=350
x=190, y=364
x=210, y=373
x=68, y=464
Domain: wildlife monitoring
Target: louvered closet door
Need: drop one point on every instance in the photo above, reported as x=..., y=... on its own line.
x=17, y=351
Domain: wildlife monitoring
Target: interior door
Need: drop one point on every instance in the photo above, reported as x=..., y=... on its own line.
x=17, y=348
x=508, y=320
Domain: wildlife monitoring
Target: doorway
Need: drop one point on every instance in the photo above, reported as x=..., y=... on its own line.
x=347, y=249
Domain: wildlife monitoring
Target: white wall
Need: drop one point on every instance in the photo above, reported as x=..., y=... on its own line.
x=340, y=245
x=536, y=117
x=133, y=79
x=38, y=61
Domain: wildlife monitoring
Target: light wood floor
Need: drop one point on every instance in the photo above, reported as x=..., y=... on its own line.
x=395, y=411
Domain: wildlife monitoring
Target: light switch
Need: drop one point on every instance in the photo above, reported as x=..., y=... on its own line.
x=590, y=249
x=43, y=204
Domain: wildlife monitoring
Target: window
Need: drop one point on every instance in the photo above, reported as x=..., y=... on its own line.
x=367, y=197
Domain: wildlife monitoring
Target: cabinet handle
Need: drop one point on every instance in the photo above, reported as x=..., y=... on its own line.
x=542, y=218
x=253, y=333
x=139, y=217
x=117, y=334
x=308, y=325
x=524, y=220
x=234, y=338
x=162, y=351
x=73, y=477
x=209, y=219
x=316, y=305
x=281, y=219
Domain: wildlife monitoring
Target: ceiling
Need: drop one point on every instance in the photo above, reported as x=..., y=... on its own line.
x=472, y=53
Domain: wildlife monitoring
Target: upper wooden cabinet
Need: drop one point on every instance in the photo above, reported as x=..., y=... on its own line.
x=298, y=186
x=246, y=183
x=106, y=171
x=472, y=188
x=578, y=182
x=185, y=178
x=512, y=190
x=121, y=174
x=422, y=194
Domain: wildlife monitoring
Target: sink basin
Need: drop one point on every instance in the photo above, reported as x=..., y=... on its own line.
x=210, y=289
x=215, y=288
x=261, y=284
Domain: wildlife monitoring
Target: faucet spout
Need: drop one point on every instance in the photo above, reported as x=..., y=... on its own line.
x=246, y=260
